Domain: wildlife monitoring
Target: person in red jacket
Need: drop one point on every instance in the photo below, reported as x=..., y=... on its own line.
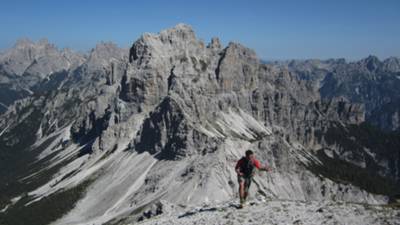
x=245, y=169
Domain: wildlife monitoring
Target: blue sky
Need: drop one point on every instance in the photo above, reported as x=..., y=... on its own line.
x=283, y=29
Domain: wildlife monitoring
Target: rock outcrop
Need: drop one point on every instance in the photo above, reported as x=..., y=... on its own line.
x=369, y=81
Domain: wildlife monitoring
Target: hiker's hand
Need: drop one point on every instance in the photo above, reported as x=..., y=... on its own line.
x=267, y=169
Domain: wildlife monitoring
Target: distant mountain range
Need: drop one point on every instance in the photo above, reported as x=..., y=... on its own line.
x=118, y=136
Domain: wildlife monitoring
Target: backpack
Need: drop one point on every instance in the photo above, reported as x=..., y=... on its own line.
x=247, y=167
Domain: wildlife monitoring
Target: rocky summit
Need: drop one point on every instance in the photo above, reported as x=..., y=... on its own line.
x=151, y=135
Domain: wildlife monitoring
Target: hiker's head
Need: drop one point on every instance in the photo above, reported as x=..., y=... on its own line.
x=249, y=154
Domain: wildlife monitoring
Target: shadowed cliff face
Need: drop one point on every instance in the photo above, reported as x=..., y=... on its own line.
x=167, y=120
x=165, y=132
x=369, y=81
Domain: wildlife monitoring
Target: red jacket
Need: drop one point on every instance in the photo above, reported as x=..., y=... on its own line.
x=255, y=162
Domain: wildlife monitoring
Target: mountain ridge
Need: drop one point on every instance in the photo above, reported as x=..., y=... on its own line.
x=166, y=122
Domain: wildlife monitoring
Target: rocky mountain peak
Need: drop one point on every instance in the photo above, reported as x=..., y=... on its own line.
x=103, y=53
x=105, y=50
x=26, y=43
x=215, y=43
x=241, y=51
x=371, y=62
x=172, y=42
x=392, y=64
x=179, y=32
x=23, y=42
x=25, y=53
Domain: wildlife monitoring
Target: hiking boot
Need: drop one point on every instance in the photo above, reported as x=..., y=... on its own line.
x=242, y=203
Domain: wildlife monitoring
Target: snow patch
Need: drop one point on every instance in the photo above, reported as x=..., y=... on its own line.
x=13, y=201
x=28, y=90
x=328, y=153
x=369, y=152
x=3, y=105
x=4, y=130
x=4, y=209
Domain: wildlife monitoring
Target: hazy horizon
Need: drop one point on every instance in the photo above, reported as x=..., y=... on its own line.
x=276, y=31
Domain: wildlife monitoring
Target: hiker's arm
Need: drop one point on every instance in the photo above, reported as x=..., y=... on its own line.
x=266, y=168
x=237, y=169
x=262, y=168
x=238, y=172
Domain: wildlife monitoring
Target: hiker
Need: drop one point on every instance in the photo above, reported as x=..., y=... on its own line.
x=245, y=171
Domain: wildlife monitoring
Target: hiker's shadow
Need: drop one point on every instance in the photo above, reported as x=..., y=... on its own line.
x=233, y=205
